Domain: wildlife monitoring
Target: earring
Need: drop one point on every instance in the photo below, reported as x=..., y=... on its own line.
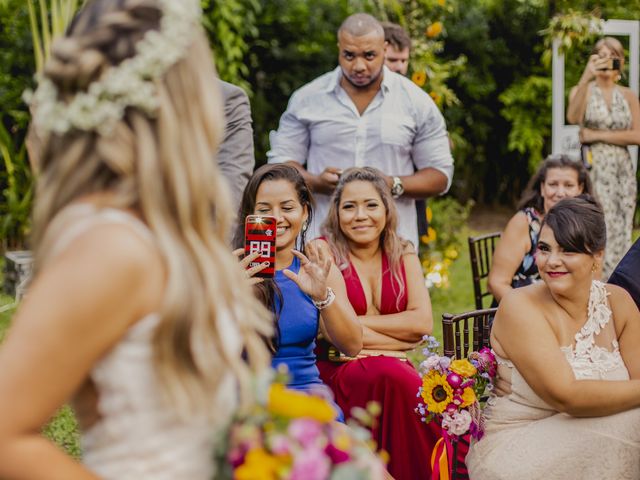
x=594, y=267
x=305, y=225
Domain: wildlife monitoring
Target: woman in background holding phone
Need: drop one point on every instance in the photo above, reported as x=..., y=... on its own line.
x=307, y=292
x=609, y=116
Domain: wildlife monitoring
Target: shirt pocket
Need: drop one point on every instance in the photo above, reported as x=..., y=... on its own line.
x=397, y=129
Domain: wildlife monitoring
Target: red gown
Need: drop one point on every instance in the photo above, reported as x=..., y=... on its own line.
x=391, y=382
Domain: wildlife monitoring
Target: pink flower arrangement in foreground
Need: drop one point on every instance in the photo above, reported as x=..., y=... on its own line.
x=452, y=389
x=295, y=437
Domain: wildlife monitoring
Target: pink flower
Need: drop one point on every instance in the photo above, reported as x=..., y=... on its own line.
x=311, y=464
x=457, y=423
x=454, y=380
x=486, y=361
x=305, y=431
x=280, y=445
x=336, y=455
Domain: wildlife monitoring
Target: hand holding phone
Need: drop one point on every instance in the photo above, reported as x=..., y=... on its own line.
x=610, y=64
x=260, y=238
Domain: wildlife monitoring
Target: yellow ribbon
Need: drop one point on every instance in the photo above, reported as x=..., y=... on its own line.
x=443, y=461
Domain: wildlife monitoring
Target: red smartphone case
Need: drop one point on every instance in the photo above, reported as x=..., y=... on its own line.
x=260, y=236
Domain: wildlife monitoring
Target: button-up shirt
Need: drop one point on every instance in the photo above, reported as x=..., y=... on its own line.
x=401, y=131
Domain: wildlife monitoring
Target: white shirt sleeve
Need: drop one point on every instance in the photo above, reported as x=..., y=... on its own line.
x=431, y=143
x=291, y=141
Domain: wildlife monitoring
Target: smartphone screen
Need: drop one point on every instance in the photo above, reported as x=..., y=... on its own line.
x=260, y=236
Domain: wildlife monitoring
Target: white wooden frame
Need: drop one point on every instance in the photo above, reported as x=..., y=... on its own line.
x=564, y=138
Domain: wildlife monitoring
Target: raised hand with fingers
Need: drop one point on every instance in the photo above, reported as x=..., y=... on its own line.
x=313, y=273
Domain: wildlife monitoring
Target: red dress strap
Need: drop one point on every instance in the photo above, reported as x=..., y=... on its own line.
x=393, y=297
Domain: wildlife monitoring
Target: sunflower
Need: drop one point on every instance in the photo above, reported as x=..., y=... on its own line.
x=419, y=78
x=436, y=392
x=463, y=367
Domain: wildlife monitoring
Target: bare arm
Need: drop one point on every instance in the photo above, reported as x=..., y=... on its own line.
x=377, y=341
x=544, y=366
x=427, y=182
x=513, y=246
x=339, y=321
x=416, y=321
x=580, y=93
x=78, y=308
x=627, y=321
x=618, y=137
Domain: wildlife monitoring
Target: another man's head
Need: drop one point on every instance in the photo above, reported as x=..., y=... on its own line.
x=361, y=44
x=397, y=47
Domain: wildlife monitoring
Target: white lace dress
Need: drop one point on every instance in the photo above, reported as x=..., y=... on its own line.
x=527, y=439
x=139, y=436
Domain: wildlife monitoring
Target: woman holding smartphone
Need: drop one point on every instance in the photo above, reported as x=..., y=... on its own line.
x=307, y=293
x=609, y=116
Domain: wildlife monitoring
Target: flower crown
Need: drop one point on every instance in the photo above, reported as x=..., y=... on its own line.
x=130, y=84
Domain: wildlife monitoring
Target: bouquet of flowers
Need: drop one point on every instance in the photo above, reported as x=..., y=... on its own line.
x=452, y=391
x=294, y=436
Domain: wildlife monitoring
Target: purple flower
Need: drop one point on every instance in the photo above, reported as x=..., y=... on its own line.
x=311, y=464
x=445, y=362
x=305, y=431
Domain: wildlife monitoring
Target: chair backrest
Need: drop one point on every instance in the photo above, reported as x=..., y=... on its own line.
x=466, y=332
x=481, y=253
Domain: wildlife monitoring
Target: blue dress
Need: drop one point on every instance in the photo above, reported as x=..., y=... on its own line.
x=298, y=324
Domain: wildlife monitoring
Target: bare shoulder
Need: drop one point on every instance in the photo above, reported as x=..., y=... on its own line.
x=322, y=245
x=622, y=306
x=519, y=304
x=629, y=94
x=517, y=223
x=409, y=249
x=116, y=256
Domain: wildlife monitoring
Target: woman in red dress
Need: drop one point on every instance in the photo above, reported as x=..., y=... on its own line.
x=386, y=288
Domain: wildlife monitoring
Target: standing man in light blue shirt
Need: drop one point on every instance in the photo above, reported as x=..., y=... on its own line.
x=363, y=114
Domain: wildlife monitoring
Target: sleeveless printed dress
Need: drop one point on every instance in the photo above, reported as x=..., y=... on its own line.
x=612, y=174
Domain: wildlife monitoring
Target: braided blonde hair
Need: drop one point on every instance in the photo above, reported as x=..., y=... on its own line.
x=165, y=170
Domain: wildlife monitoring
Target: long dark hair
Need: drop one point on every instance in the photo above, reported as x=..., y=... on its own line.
x=578, y=224
x=532, y=196
x=267, y=291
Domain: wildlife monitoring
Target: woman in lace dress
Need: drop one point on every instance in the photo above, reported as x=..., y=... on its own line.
x=609, y=115
x=513, y=264
x=136, y=313
x=568, y=351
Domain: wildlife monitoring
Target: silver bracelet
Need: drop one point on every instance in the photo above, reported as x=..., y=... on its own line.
x=322, y=304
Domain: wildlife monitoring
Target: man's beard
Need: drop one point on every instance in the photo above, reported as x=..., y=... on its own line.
x=363, y=86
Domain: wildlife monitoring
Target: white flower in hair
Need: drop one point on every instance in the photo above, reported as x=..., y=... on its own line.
x=131, y=84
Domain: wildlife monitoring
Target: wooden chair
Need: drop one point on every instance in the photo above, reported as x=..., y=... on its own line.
x=466, y=332
x=481, y=253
